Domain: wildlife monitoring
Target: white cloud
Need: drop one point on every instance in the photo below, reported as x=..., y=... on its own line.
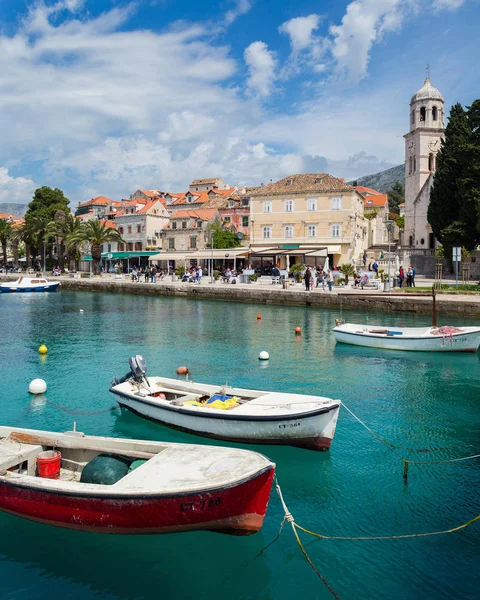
x=364, y=23
x=261, y=63
x=447, y=4
x=15, y=189
x=300, y=30
x=241, y=7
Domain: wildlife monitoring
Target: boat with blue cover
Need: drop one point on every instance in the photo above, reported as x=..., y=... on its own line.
x=29, y=284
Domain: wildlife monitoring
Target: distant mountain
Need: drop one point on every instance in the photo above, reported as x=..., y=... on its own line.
x=10, y=208
x=384, y=180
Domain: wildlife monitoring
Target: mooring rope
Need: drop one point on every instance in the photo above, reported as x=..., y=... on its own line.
x=289, y=518
x=80, y=412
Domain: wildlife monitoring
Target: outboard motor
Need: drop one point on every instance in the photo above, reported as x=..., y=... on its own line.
x=138, y=370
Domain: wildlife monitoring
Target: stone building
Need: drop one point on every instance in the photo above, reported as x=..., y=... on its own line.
x=302, y=212
x=187, y=229
x=140, y=224
x=205, y=185
x=422, y=144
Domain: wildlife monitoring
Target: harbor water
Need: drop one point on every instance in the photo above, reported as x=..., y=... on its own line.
x=413, y=400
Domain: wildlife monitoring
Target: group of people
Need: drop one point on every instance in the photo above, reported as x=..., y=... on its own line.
x=409, y=276
x=316, y=277
x=149, y=275
x=193, y=275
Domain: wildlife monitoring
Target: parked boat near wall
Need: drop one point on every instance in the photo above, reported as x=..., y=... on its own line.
x=29, y=284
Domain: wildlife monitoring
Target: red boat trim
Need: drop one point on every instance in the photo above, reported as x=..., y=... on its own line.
x=229, y=416
x=130, y=496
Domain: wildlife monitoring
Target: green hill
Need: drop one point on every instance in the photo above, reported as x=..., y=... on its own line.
x=384, y=180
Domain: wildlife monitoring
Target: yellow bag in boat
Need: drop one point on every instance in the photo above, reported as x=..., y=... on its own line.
x=223, y=404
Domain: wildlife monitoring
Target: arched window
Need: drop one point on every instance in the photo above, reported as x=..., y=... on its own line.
x=413, y=117
x=423, y=113
x=430, y=162
x=434, y=113
x=410, y=240
x=414, y=164
x=410, y=165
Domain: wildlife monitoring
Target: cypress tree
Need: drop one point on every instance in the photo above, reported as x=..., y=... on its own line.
x=470, y=182
x=446, y=196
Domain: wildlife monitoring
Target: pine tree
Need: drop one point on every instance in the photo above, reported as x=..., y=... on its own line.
x=445, y=196
x=46, y=202
x=396, y=196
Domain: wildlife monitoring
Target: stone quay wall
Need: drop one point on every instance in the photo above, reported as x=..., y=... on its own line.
x=461, y=305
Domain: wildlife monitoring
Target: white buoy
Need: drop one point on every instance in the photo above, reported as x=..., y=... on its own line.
x=263, y=355
x=81, y=310
x=37, y=386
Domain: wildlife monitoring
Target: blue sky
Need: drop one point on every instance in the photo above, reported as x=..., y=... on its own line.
x=108, y=96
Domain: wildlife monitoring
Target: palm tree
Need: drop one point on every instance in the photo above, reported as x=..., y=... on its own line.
x=66, y=228
x=6, y=235
x=96, y=234
x=40, y=233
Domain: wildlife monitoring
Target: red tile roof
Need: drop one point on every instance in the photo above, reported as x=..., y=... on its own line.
x=148, y=206
x=197, y=197
x=205, y=181
x=375, y=200
x=8, y=217
x=98, y=201
x=204, y=214
x=303, y=183
x=365, y=191
x=108, y=223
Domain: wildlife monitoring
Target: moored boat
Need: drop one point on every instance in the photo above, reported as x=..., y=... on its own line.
x=419, y=339
x=29, y=284
x=229, y=413
x=152, y=487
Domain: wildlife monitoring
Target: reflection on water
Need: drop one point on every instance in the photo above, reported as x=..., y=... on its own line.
x=412, y=399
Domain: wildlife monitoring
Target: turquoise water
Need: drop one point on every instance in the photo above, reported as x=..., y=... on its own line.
x=416, y=400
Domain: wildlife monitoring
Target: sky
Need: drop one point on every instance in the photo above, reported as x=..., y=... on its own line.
x=104, y=97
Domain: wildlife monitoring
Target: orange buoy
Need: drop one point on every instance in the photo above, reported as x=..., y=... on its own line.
x=298, y=330
x=259, y=316
x=182, y=370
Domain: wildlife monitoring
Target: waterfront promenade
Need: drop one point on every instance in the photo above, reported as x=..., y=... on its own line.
x=264, y=292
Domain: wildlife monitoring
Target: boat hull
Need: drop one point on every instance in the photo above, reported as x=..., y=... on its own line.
x=237, y=510
x=12, y=289
x=314, y=432
x=462, y=342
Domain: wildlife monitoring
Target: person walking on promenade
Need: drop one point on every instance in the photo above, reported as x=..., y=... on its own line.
x=409, y=277
x=307, y=277
x=154, y=274
x=401, y=276
x=199, y=275
x=329, y=281
x=364, y=259
x=414, y=272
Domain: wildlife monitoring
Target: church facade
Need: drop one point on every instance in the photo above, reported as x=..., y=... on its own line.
x=422, y=143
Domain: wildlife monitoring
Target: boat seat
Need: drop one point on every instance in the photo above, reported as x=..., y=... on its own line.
x=14, y=453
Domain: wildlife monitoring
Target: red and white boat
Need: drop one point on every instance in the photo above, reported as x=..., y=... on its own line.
x=176, y=488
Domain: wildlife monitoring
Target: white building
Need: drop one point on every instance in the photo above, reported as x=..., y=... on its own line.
x=422, y=144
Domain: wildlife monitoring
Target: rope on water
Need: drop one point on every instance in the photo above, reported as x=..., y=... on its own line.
x=408, y=461
x=80, y=412
x=289, y=519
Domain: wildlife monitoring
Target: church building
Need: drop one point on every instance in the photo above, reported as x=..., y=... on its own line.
x=422, y=144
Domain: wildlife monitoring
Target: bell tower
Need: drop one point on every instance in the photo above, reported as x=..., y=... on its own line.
x=422, y=144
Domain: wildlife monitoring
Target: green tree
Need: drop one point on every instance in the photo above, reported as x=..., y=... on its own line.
x=401, y=222
x=66, y=227
x=96, y=234
x=6, y=235
x=446, y=196
x=46, y=202
x=396, y=196
x=222, y=238
x=470, y=181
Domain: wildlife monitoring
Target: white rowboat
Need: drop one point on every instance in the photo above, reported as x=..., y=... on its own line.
x=419, y=339
x=250, y=416
x=29, y=284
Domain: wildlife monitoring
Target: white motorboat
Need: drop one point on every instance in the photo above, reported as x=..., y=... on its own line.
x=29, y=284
x=229, y=413
x=419, y=339
x=112, y=485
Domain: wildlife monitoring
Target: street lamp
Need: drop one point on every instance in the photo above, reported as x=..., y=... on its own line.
x=211, y=260
x=389, y=226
